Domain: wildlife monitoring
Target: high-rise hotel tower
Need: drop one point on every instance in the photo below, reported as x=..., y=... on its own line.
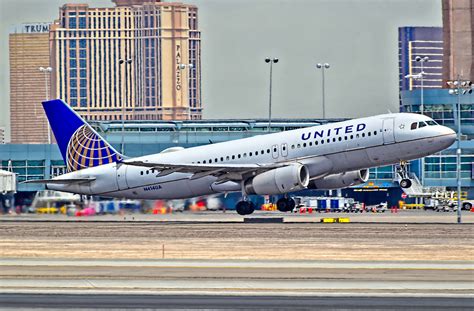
x=140, y=59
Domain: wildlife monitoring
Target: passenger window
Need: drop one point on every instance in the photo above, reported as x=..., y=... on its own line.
x=304, y=146
x=357, y=135
x=222, y=159
x=345, y=137
x=233, y=157
x=210, y=160
x=250, y=154
x=298, y=145
x=375, y=132
x=328, y=141
x=245, y=155
x=413, y=126
x=292, y=146
x=352, y=136
x=215, y=160
x=310, y=144
x=238, y=156
x=340, y=138
x=334, y=139
x=316, y=142
x=275, y=149
x=369, y=133
x=363, y=134
x=141, y=173
x=204, y=161
x=227, y=158
x=147, y=172
x=421, y=124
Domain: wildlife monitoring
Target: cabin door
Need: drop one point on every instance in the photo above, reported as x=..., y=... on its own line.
x=122, y=176
x=388, y=133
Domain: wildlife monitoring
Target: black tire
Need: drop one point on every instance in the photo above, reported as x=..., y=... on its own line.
x=245, y=208
x=250, y=208
x=405, y=183
x=241, y=208
x=466, y=206
x=286, y=204
x=282, y=205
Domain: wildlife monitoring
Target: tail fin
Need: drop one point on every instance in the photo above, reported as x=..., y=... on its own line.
x=80, y=145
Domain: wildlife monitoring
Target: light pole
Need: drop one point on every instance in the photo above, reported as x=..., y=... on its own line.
x=127, y=61
x=323, y=67
x=459, y=87
x=47, y=71
x=270, y=61
x=182, y=67
x=422, y=60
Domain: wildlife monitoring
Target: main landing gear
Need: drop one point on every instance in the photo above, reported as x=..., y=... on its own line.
x=402, y=171
x=285, y=204
x=245, y=207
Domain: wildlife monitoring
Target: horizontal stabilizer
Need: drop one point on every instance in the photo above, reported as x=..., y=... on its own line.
x=64, y=181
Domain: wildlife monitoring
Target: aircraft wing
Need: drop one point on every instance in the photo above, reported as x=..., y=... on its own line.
x=227, y=172
x=64, y=181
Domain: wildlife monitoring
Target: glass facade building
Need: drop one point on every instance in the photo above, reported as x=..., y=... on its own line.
x=139, y=60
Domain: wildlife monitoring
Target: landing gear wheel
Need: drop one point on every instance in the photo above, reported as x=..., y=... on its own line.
x=245, y=208
x=405, y=183
x=285, y=204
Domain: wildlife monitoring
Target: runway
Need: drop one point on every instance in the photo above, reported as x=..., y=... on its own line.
x=142, y=264
x=237, y=277
x=236, y=302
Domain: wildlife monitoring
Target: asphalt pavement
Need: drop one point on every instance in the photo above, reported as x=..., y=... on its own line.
x=93, y=301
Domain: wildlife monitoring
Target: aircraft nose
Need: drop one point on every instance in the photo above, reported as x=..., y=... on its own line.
x=449, y=135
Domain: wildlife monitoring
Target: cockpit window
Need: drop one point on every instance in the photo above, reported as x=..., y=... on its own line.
x=421, y=124
x=431, y=122
x=414, y=125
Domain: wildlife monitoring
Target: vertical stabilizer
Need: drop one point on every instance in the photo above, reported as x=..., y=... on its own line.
x=79, y=143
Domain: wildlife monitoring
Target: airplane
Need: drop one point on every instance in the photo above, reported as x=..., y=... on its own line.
x=329, y=156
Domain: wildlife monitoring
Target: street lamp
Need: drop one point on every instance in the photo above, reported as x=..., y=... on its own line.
x=459, y=87
x=422, y=60
x=323, y=68
x=47, y=72
x=182, y=67
x=270, y=61
x=122, y=61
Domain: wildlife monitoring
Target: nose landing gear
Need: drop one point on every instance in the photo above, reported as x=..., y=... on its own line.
x=402, y=171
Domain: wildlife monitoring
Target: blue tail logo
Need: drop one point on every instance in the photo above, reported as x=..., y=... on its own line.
x=80, y=145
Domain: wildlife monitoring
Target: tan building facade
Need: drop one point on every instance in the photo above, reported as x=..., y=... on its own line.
x=2, y=135
x=28, y=51
x=140, y=59
x=458, y=24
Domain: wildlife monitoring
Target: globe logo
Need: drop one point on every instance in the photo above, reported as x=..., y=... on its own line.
x=87, y=149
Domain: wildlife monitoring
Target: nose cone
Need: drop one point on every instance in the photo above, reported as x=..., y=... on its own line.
x=447, y=137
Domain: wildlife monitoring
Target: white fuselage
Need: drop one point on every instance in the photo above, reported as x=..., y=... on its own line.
x=324, y=150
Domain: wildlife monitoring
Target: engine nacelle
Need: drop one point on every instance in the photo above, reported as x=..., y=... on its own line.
x=342, y=180
x=285, y=179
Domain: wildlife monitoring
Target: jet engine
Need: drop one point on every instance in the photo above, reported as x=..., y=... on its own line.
x=280, y=180
x=342, y=180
